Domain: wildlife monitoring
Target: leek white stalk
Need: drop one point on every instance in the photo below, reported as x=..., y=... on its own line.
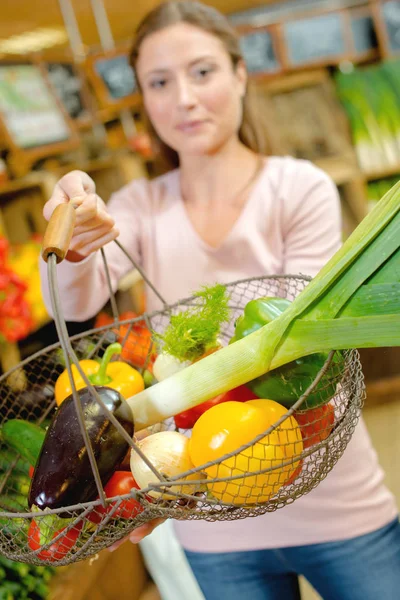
x=339, y=309
x=166, y=365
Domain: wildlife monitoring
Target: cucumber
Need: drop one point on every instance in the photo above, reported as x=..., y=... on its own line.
x=19, y=483
x=14, y=527
x=13, y=503
x=8, y=458
x=24, y=437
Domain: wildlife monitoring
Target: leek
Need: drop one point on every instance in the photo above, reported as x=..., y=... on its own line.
x=341, y=308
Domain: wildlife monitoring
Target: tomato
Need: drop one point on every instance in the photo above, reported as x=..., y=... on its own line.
x=121, y=483
x=187, y=418
x=316, y=424
x=58, y=549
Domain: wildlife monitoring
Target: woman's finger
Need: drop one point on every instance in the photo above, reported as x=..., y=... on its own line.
x=138, y=534
x=87, y=246
x=92, y=209
x=101, y=220
x=144, y=530
x=75, y=185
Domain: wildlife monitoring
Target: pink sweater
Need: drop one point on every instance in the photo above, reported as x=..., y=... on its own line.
x=290, y=224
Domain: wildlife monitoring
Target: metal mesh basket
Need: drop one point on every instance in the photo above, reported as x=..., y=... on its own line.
x=273, y=469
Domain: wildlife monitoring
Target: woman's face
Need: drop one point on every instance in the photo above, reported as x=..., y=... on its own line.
x=191, y=92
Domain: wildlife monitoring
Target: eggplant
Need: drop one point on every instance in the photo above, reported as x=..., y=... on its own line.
x=63, y=475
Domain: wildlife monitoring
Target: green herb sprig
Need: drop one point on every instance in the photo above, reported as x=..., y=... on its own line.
x=194, y=331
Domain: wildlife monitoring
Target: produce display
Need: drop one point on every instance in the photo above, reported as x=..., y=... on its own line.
x=24, y=262
x=377, y=189
x=245, y=398
x=15, y=314
x=370, y=97
x=19, y=581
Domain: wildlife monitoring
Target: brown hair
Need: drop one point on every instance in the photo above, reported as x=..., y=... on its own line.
x=211, y=20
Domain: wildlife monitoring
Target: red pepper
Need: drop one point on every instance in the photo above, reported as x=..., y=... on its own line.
x=120, y=484
x=4, y=247
x=187, y=418
x=15, y=314
x=295, y=474
x=58, y=549
x=316, y=424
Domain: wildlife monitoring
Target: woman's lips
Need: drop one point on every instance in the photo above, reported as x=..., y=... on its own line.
x=189, y=126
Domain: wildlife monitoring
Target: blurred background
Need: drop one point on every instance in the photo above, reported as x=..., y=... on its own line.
x=327, y=76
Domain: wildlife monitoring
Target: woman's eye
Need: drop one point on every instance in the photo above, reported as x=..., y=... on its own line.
x=203, y=72
x=158, y=83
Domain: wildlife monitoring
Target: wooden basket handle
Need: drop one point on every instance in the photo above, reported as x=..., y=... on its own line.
x=58, y=234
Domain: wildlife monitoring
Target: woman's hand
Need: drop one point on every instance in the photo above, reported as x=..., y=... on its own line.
x=138, y=534
x=94, y=227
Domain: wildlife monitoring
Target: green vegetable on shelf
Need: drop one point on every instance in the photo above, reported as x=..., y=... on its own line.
x=20, y=581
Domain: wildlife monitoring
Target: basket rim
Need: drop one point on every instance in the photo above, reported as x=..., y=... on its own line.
x=143, y=317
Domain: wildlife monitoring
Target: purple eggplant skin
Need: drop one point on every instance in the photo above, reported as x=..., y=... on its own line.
x=63, y=475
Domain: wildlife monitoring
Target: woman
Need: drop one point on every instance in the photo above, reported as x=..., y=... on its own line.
x=227, y=213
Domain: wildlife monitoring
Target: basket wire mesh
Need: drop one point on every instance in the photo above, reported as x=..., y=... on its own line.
x=269, y=471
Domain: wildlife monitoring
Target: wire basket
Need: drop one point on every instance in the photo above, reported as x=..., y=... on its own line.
x=282, y=462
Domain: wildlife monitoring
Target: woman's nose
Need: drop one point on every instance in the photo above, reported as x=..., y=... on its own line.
x=186, y=94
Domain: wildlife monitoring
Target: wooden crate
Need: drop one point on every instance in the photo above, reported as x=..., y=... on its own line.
x=120, y=574
x=304, y=119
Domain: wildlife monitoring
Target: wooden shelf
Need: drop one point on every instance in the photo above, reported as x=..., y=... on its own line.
x=383, y=390
x=340, y=168
x=291, y=81
x=389, y=171
x=24, y=183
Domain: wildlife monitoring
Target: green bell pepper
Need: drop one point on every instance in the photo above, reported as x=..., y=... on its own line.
x=287, y=383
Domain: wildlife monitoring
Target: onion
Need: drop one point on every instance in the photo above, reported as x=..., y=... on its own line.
x=168, y=453
x=166, y=365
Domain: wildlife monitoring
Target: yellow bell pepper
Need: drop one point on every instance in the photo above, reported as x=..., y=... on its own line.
x=117, y=375
x=226, y=427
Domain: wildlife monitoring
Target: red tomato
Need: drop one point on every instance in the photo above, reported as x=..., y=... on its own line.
x=316, y=424
x=187, y=418
x=120, y=484
x=60, y=548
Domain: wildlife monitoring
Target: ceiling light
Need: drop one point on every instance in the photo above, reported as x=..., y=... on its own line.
x=34, y=41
